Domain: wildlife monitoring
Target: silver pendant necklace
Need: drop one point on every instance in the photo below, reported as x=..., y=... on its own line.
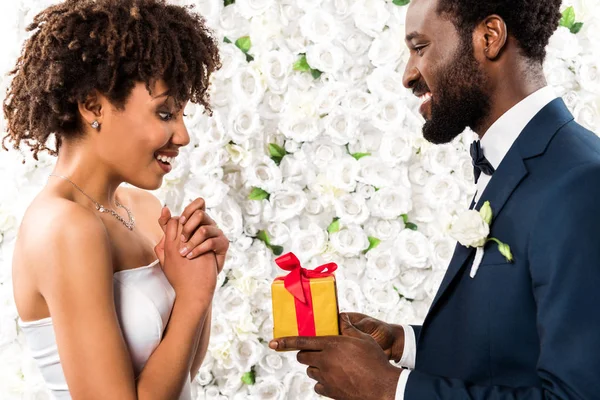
x=129, y=224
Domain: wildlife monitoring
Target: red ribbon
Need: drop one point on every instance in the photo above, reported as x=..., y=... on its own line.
x=297, y=282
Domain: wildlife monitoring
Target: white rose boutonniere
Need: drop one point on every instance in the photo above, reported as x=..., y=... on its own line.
x=472, y=229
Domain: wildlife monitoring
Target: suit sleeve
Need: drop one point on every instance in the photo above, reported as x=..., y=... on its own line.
x=564, y=262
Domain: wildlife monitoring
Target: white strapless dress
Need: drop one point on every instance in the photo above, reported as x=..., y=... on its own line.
x=143, y=299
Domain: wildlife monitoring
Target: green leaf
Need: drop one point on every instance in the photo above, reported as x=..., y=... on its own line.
x=276, y=151
x=576, y=27
x=486, y=212
x=411, y=226
x=258, y=194
x=228, y=2
x=249, y=378
x=226, y=40
x=277, y=250
x=244, y=43
x=264, y=237
x=302, y=65
x=373, y=242
x=334, y=226
x=401, y=2
x=249, y=57
x=418, y=151
x=358, y=156
x=405, y=218
x=568, y=17
x=316, y=73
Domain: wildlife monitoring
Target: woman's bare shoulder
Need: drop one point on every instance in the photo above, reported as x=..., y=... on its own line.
x=53, y=224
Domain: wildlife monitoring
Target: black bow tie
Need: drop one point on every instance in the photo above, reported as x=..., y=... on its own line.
x=480, y=163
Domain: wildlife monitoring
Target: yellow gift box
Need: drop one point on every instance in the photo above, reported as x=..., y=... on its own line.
x=304, y=301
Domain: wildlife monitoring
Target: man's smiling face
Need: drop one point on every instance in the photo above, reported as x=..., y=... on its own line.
x=443, y=72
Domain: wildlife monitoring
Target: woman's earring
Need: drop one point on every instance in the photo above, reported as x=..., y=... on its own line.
x=95, y=124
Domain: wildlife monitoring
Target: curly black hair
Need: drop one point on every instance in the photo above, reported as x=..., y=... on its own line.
x=79, y=46
x=530, y=22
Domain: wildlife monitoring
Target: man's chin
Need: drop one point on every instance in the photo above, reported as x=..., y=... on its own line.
x=437, y=134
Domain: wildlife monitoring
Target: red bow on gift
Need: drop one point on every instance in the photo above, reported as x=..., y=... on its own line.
x=293, y=281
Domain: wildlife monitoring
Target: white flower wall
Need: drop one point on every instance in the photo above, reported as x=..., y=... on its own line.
x=314, y=147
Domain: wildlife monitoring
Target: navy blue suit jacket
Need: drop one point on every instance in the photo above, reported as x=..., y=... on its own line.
x=528, y=329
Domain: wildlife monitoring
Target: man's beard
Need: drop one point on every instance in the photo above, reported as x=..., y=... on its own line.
x=460, y=101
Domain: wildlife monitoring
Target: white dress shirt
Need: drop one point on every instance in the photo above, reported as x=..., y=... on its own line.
x=496, y=142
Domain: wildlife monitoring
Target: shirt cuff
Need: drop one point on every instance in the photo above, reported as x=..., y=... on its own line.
x=409, y=354
x=401, y=388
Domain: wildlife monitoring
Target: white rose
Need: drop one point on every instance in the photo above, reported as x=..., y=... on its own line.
x=440, y=159
x=374, y=172
x=359, y=103
x=340, y=126
x=322, y=152
x=349, y=241
x=243, y=124
x=589, y=74
x=367, y=141
x=443, y=249
x=356, y=42
x=350, y=295
x=7, y=221
x=268, y=388
x=265, y=174
x=388, y=116
x=329, y=96
x=271, y=363
x=588, y=115
x=287, y=204
x=231, y=383
x=433, y=282
x=386, y=49
x=413, y=249
x=278, y=232
x=319, y=26
x=410, y=283
x=343, y=174
x=559, y=75
x=232, y=24
x=418, y=174
x=232, y=59
x=299, y=387
x=563, y=44
x=390, y=203
x=213, y=191
x=228, y=217
x=325, y=57
x=220, y=330
x=384, y=229
x=470, y=229
x=301, y=130
x=370, y=16
x=382, y=263
x=276, y=67
x=295, y=171
x=365, y=191
x=252, y=8
x=381, y=296
x=307, y=243
x=246, y=353
x=205, y=159
x=441, y=190
x=248, y=85
x=395, y=149
x=402, y=313
x=351, y=208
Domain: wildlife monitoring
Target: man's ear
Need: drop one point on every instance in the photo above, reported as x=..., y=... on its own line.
x=491, y=37
x=91, y=109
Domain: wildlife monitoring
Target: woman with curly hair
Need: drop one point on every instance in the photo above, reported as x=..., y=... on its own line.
x=113, y=303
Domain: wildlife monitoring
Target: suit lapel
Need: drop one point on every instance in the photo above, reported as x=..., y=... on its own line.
x=532, y=142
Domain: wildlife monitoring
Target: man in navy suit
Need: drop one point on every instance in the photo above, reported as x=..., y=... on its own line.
x=529, y=329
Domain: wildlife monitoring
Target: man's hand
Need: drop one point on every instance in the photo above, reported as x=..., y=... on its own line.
x=348, y=367
x=389, y=337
